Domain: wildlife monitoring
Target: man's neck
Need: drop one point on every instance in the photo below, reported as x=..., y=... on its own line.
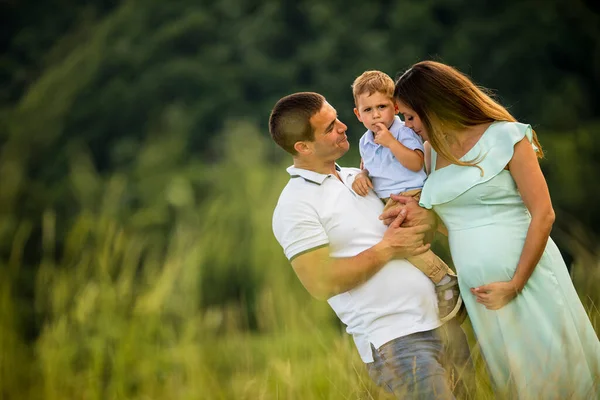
x=324, y=168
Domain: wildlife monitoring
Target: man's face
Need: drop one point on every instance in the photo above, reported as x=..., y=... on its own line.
x=412, y=120
x=330, y=141
x=375, y=108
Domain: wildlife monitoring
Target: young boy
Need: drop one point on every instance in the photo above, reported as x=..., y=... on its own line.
x=392, y=163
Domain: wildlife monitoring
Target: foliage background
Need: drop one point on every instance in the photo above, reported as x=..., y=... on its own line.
x=137, y=179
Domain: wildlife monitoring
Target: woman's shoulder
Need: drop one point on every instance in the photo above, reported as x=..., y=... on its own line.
x=493, y=151
x=507, y=131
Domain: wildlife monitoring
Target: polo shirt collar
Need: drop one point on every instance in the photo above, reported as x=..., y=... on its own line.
x=310, y=176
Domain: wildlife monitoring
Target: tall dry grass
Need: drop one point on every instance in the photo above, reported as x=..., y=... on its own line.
x=185, y=297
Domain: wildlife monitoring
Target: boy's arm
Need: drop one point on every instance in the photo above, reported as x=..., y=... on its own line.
x=362, y=183
x=363, y=170
x=411, y=159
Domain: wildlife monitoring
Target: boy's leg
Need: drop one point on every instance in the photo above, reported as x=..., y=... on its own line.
x=449, y=301
x=411, y=367
x=430, y=264
x=416, y=194
x=388, y=203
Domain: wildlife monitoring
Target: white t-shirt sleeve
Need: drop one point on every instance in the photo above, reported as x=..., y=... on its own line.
x=297, y=228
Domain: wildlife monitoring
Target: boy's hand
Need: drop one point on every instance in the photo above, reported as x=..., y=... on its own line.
x=361, y=184
x=383, y=136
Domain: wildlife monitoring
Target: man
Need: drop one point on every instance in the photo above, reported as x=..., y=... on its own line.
x=341, y=251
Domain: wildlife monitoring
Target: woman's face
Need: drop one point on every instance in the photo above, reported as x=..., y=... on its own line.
x=412, y=120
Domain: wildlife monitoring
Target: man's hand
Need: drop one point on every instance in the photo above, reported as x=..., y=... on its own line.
x=383, y=136
x=361, y=184
x=403, y=242
x=325, y=276
x=416, y=215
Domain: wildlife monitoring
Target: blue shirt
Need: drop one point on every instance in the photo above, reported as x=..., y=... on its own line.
x=385, y=171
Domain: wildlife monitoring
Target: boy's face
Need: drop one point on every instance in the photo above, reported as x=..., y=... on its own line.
x=375, y=108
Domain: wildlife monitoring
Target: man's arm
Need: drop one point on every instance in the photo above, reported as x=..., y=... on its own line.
x=324, y=276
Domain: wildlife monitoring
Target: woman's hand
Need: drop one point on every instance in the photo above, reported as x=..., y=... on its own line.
x=495, y=295
x=361, y=184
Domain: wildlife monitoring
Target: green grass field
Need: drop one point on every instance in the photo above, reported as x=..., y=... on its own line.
x=209, y=310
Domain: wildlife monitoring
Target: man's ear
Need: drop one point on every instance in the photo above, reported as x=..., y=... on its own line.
x=357, y=114
x=302, y=147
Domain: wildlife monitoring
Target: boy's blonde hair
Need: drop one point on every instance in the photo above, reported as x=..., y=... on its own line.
x=371, y=82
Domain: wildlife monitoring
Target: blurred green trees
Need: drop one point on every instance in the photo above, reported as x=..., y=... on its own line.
x=127, y=310
x=137, y=181
x=108, y=72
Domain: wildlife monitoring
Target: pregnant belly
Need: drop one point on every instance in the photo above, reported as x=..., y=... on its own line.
x=486, y=254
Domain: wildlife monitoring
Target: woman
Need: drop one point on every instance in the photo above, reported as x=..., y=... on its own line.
x=487, y=187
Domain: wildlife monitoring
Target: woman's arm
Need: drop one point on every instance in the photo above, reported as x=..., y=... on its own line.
x=427, y=148
x=441, y=228
x=526, y=171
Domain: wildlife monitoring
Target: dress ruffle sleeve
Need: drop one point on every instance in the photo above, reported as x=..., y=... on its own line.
x=495, y=148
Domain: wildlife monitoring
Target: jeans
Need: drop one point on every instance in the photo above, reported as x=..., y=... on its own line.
x=411, y=367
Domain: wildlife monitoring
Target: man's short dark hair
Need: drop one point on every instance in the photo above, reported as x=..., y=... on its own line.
x=290, y=119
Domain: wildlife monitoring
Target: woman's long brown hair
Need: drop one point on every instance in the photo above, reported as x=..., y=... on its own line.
x=448, y=101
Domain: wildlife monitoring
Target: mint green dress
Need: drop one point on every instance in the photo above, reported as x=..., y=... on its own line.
x=541, y=345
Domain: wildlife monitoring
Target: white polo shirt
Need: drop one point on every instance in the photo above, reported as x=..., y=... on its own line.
x=316, y=210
